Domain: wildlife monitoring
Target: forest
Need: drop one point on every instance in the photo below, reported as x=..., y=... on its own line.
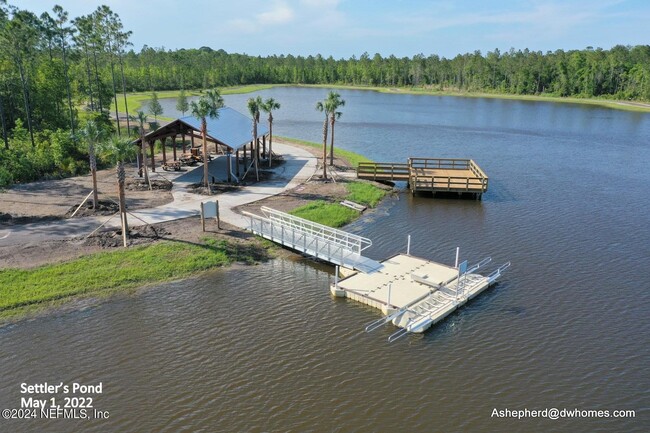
x=56, y=72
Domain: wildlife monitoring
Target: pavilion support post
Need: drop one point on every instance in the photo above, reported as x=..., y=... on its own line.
x=237, y=162
x=229, y=160
x=163, y=141
x=263, y=145
x=192, y=140
x=153, y=160
x=138, y=159
x=183, y=143
x=244, y=150
x=174, y=147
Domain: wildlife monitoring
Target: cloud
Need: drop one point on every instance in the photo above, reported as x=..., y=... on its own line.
x=320, y=3
x=280, y=14
x=542, y=14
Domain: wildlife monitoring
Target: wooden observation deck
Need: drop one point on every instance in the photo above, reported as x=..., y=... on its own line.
x=462, y=176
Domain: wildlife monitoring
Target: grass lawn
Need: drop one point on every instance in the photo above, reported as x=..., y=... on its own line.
x=136, y=100
x=352, y=158
x=364, y=193
x=329, y=214
x=334, y=214
x=105, y=273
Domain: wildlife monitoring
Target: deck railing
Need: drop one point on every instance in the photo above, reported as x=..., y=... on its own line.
x=439, y=163
x=422, y=181
x=382, y=171
x=419, y=173
x=448, y=183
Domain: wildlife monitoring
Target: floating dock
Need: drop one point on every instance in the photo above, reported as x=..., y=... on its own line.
x=462, y=176
x=411, y=292
x=414, y=293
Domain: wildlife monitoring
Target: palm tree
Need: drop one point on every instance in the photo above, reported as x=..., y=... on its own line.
x=323, y=106
x=334, y=101
x=268, y=106
x=254, y=106
x=93, y=136
x=141, y=118
x=118, y=150
x=207, y=106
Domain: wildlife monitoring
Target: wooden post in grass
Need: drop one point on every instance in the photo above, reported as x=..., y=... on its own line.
x=202, y=217
x=216, y=202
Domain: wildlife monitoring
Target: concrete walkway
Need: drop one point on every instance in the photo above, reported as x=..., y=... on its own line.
x=298, y=167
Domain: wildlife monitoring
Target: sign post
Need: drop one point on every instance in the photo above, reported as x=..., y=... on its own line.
x=210, y=209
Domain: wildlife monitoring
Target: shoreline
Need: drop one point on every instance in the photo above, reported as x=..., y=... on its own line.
x=634, y=106
x=48, y=262
x=614, y=104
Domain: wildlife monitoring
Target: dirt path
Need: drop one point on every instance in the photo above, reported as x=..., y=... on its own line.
x=53, y=199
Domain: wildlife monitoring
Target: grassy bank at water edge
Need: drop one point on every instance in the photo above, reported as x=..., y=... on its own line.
x=137, y=100
x=336, y=215
x=352, y=158
x=601, y=102
x=105, y=273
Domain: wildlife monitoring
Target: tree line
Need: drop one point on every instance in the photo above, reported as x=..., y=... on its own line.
x=57, y=72
x=622, y=72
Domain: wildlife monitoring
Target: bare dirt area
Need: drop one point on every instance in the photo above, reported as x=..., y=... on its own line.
x=53, y=199
x=301, y=195
x=184, y=230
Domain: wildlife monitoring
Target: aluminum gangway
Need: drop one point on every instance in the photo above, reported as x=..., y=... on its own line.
x=317, y=240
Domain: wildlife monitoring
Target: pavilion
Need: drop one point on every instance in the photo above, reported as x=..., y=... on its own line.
x=230, y=133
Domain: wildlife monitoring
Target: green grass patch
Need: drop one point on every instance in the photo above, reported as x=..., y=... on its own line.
x=107, y=272
x=136, y=100
x=329, y=214
x=351, y=157
x=364, y=193
x=336, y=215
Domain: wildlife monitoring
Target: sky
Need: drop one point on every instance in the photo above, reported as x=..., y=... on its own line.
x=343, y=28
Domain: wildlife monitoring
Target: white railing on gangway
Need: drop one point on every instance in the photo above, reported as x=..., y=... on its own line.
x=349, y=241
x=326, y=243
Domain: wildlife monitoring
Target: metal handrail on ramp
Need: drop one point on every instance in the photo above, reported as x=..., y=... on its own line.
x=352, y=242
x=317, y=240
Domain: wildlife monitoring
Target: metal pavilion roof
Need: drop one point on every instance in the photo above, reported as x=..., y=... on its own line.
x=231, y=128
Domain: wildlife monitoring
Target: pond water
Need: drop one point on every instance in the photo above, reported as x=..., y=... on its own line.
x=265, y=348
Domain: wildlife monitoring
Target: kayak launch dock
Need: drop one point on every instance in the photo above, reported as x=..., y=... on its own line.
x=415, y=293
x=412, y=293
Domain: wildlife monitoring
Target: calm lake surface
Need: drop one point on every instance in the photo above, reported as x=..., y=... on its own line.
x=265, y=348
